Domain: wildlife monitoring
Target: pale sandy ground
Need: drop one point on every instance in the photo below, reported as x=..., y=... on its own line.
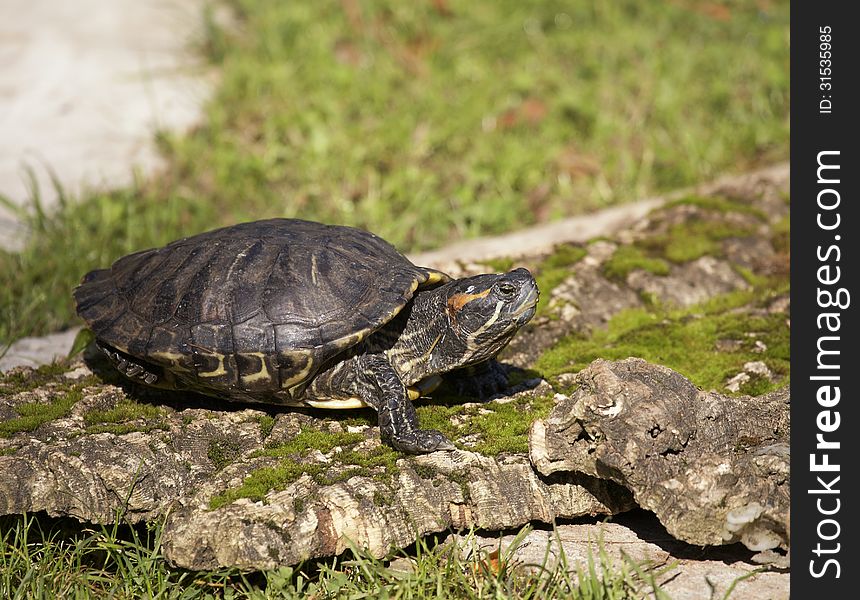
x=84, y=86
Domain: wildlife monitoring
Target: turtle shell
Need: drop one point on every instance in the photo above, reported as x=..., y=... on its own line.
x=250, y=311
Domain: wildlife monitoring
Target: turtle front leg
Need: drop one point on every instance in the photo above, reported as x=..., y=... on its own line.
x=398, y=421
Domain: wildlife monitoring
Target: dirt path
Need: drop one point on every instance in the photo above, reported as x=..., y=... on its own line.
x=84, y=85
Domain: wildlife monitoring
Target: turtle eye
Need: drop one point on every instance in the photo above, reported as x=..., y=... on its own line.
x=507, y=289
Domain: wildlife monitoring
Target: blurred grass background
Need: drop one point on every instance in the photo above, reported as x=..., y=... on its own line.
x=432, y=120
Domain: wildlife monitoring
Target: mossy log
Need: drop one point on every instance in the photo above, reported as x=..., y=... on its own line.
x=326, y=480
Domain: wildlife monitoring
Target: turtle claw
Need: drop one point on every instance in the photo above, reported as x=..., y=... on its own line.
x=421, y=441
x=126, y=367
x=445, y=444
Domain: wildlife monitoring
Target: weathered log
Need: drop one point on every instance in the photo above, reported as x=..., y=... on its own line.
x=713, y=468
x=104, y=457
x=428, y=494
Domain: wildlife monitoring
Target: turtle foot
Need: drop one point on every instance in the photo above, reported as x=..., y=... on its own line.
x=420, y=441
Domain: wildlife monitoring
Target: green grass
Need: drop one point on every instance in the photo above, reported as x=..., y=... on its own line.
x=430, y=121
x=43, y=558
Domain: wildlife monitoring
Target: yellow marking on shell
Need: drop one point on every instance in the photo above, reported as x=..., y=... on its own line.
x=352, y=339
x=171, y=357
x=218, y=371
x=336, y=404
x=174, y=359
x=458, y=301
x=435, y=277
x=301, y=375
x=263, y=373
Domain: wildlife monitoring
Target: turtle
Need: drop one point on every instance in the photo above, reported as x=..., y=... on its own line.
x=298, y=313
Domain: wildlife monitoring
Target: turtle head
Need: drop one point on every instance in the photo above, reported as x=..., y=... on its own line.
x=485, y=311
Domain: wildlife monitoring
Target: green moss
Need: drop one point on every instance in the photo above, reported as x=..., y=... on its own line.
x=124, y=428
x=719, y=204
x=506, y=428
x=499, y=427
x=33, y=414
x=266, y=479
x=126, y=417
x=555, y=268
x=125, y=410
x=627, y=258
x=25, y=380
x=222, y=452
x=564, y=255
x=756, y=385
x=379, y=461
x=8, y=451
x=263, y=480
x=310, y=439
x=685, y=340
x=424, y=471
x=693, y=239
x=381, y=456
x=259, y=482
x=382, y=499
x=780, y=236
x=463, y=480
x=266, y=423
x=298, y=505
x=649, y=299
x=684, y=241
